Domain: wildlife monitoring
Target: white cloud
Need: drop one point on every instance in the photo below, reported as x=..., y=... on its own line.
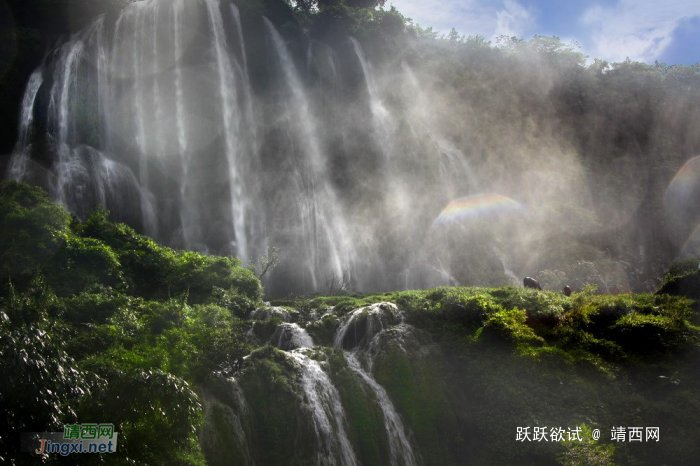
x=512, y=20
x=639, y=29
x=469, y=17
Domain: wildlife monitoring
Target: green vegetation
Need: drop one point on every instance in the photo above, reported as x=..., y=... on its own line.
x=99, y=322
x=683, y=279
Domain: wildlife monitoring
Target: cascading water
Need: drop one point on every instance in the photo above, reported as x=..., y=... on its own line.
x=382, y=120
x=359, y=332
x=19, y=168
x=131, y=92
x=290, y=336
x=365, y=332
x=327, y=413
x=225, y=151
x=362, y=324
x=399, y=446
x=315, y=201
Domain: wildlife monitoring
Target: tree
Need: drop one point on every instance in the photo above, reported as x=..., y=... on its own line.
x=266, y=262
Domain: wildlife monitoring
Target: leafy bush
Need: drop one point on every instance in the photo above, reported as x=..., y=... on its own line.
x=31, y=228
x=39, y=381
x=95, y=307
x=510, y=325
x=645, y=332
x=682, y=279
x=157, y=272
x=156, y=414
x=80, y=263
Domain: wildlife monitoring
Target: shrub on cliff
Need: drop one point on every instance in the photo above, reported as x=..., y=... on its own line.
x=682, y=279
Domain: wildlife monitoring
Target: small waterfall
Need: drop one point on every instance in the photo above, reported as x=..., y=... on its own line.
x=367, y=324
x=367, y=331
x=290, y=336
x=399, y=446
x=327, y=413
x=242, y=410
x=18, y=168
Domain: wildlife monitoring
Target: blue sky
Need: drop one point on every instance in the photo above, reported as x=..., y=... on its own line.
x=643, y=30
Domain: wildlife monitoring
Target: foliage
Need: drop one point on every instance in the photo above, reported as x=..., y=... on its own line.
x=31, y=229
x=154, y=271
x=101, y=323
x=586, y=452
x=81, y=263
x=683, y=279
x=510, y=325
x=39, y=385
x=156, y=413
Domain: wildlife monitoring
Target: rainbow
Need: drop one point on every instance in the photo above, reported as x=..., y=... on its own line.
x=684, y=184
x=475, y=206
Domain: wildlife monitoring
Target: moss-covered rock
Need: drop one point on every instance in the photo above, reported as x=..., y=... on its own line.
x=282, y=433
x=323, y=330
x=410, y=367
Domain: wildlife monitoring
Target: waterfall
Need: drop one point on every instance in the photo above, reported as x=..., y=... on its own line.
x=327, y=413
x=128, y=92
x=231, y=123
x=251, y=201
x=242, y=409
x=290, y=336
x=307, y=371
x=61, y=119
x=382, y=120
x=231, y=150
x=399, y=446
x=454, y=167
x=188, y=216
x=322, y=228
x=20, y=156
x=367, y=324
